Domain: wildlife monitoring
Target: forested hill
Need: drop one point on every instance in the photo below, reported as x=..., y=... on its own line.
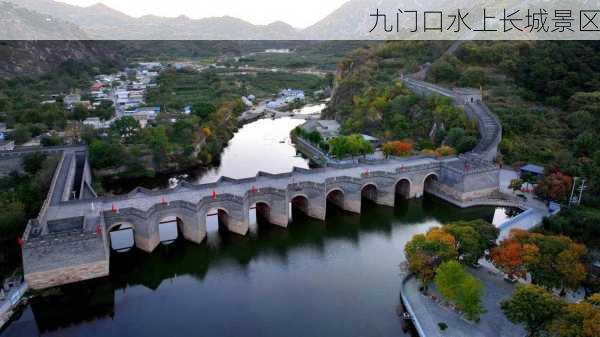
x=547, y=94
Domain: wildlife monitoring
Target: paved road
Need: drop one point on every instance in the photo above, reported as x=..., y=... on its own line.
x=493, y=322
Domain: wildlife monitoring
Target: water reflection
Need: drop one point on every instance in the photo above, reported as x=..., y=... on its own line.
x=263, y=145
x=333, y=278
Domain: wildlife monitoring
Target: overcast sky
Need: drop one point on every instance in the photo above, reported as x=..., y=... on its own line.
x=300, y=13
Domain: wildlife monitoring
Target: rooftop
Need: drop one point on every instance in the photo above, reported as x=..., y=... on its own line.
x=537, y=169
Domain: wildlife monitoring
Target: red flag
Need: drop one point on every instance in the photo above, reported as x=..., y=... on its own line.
x=253, y=189
x=163, y=200
x=214, y=194
x=366, y=173
x=114, y=208
x=98, y=230
x=20, y=241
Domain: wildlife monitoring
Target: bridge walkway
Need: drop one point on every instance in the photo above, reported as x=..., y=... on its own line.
x=143, y=199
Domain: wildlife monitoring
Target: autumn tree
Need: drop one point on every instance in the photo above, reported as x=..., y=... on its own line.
x=577, y=320
x=425, y=252
x=559, y=262
x=445, y=150
x=555, y=186
x=398, y=148
x=554, y=261
x=533, y=307
x=512, y=256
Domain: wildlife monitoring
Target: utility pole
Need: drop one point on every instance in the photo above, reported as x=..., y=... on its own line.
x=572, y=191
x=581, y=188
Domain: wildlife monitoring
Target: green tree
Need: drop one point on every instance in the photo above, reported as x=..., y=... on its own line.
x=473, y=238
x=21, y=134
x=469, y=297
x=533, y=307
x=106, y=154
x=459, y=287
x=126, y=128
x=33, y=162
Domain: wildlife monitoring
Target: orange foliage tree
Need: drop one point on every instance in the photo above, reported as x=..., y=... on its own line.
x=398, y=148
x=555, y=186
x=512, y=256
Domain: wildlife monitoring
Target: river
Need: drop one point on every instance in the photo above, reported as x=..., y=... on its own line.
x=339, y=277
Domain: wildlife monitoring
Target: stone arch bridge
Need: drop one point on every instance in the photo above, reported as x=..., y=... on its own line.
x=69, y=240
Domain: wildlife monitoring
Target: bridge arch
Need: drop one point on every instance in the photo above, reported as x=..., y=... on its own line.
x=121, y=236
x=429, y=180
x=402, y=188
x=299, y=203
x=262, y=211
x=369, y=191
x=335, y=196
x=169, y=228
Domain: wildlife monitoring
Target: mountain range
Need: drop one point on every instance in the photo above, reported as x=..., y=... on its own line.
x=100, y=22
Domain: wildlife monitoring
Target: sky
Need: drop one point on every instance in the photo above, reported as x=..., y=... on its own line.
x=300, y=13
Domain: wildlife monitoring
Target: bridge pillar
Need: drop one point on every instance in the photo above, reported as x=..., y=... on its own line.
x=386, y=196
x=238, y=226
x=317, y=208
x=352, y=202
x=279, y=213
x=145, y=238
x=194, y=232
x=416, y=190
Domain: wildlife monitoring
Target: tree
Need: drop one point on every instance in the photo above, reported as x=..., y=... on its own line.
x=512, y=256
x=33, y=162
x=105, y=154
x=398, y=148
x=577, y=320
x=445, y=150
x=473, y=238
x=126, y=128
x=533, y=307
x=12, y=217
x=555, y=186
x=459, y=287
x=516, y=184
x=569, y=265
x=21, y=134
x=469, y=297
x=425, y=252
x=353, y=145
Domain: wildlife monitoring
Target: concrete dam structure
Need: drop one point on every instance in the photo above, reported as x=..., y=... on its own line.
x=69, y=241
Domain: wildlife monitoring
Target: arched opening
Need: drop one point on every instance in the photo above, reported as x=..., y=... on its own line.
x=259, y=214
x=216, y=218
x=298, y=207
x=369, y=192
x=430, y=182
x=168, y=229
x=217, y=225
x=121, y=238
x=402, y=189
x=335, y=201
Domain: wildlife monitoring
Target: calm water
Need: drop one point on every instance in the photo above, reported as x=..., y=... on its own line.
x=333, y=278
